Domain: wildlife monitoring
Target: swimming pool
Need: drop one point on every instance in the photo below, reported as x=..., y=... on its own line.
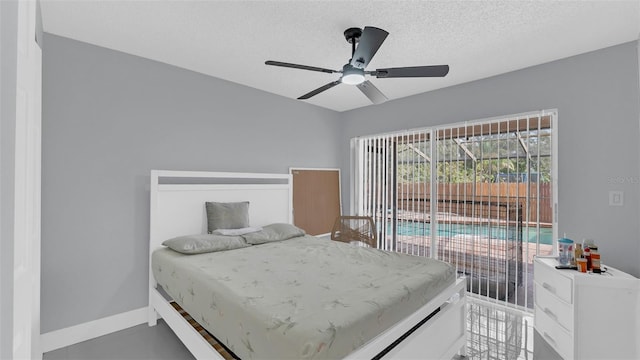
x=496, y=232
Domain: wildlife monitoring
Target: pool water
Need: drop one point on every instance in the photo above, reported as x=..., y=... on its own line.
x=495, y=232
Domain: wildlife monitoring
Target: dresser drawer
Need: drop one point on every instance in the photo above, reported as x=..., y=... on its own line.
x=555, y=283
x=556, y=309
x=556, y=336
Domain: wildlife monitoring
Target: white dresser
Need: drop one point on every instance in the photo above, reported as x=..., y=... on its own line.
x=587, y=316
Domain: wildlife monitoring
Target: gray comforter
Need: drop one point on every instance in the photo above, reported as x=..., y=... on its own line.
x=303, y=298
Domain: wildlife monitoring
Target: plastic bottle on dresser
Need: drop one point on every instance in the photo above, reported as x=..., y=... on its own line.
x=586, y=251
x=578, y=251
x=595, y=259
x=587, y=255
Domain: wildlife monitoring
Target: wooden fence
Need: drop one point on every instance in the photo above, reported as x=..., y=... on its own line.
x=416, y=197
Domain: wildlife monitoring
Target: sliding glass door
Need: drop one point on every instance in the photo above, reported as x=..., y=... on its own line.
x=478, y=195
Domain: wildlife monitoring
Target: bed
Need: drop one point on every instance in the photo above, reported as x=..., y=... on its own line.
x=302, y=297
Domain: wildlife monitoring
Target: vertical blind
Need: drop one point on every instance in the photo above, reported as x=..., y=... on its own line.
x=477, y=195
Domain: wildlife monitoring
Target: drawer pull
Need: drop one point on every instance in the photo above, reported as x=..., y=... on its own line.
x=549, y=287
x=551, y=314
x=550, y=339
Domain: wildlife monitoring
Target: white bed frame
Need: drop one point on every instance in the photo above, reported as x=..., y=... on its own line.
x=178, y=209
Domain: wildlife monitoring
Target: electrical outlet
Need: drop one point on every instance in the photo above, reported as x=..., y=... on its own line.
x=616, y=198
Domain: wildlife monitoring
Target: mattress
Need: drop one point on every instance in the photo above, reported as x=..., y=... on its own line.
x=302, y=298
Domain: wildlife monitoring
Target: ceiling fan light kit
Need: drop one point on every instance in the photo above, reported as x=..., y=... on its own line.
x=364, y=45
x=352, y=75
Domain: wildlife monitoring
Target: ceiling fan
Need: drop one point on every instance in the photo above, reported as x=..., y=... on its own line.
x=368, y=42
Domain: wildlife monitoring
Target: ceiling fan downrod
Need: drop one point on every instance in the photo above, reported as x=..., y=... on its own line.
x=353, y=36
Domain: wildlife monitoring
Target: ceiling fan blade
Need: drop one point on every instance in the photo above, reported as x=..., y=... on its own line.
x=369, y=43
x=297, y=66
x=372, y=92
x=415, y=71
x=319, y=90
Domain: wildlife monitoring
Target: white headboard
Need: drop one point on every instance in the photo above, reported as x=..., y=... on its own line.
x=178, y=200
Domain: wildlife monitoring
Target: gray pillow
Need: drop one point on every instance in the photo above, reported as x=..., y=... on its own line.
x=227, y=215
x=273, y=232
x=203, y=243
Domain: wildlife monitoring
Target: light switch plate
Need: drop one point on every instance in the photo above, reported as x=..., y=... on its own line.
x=616, y=198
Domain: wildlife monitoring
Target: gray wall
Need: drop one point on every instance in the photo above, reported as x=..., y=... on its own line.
x=8, y=58
x=596, y=95
x=108, y=119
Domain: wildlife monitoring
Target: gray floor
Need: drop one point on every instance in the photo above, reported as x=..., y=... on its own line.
x=138, y=342
x=494, y=333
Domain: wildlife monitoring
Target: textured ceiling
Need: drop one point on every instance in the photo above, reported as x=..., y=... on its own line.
x=232, y=39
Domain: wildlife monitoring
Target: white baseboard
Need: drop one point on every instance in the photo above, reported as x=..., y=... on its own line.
x=78, y=333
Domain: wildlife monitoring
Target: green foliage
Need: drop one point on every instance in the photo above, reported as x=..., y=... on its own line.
x=487, y=158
